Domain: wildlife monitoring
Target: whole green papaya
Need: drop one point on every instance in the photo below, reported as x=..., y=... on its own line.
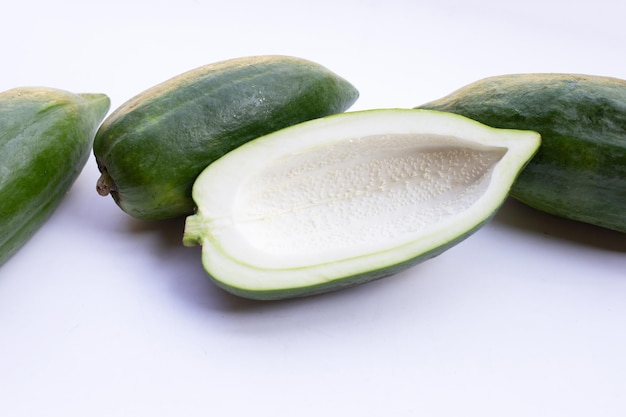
x=151, y=149
x=46, y=137
x=579, y=172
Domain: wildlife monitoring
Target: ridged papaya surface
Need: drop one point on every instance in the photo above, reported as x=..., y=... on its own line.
x=580, y=170
x=151, y=149
x=45, y=140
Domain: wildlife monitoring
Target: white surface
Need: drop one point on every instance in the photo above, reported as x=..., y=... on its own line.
x=103, y=315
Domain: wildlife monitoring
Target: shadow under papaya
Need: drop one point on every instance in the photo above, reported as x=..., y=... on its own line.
x=520, y=216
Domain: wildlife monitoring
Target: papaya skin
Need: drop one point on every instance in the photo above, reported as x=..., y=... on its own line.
x=45, y=140
x=151, y=149
x=579, y=172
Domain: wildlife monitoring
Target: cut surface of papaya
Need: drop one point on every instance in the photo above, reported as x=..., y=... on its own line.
x=349, y=198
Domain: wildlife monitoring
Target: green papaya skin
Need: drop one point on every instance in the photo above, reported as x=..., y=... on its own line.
x=45, y=140
x=151, y=149
x=579, y=172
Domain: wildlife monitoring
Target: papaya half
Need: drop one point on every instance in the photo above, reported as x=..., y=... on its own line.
x=349, y=198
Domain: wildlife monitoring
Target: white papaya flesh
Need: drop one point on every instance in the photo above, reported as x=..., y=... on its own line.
x=349, y=198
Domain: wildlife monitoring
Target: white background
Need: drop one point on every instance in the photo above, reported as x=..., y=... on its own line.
x=104, y=315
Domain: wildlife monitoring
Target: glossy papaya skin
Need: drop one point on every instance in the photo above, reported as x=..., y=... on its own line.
x=151, y=149
x=45, y=140
x=579, y=172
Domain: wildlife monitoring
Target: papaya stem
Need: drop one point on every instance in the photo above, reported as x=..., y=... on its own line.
x=192, y=235
x=105, y=184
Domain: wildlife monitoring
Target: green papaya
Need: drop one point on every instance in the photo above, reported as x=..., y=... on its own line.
x=579, y=172
x=349, y=198
x=46, y=137
x=151, y=149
